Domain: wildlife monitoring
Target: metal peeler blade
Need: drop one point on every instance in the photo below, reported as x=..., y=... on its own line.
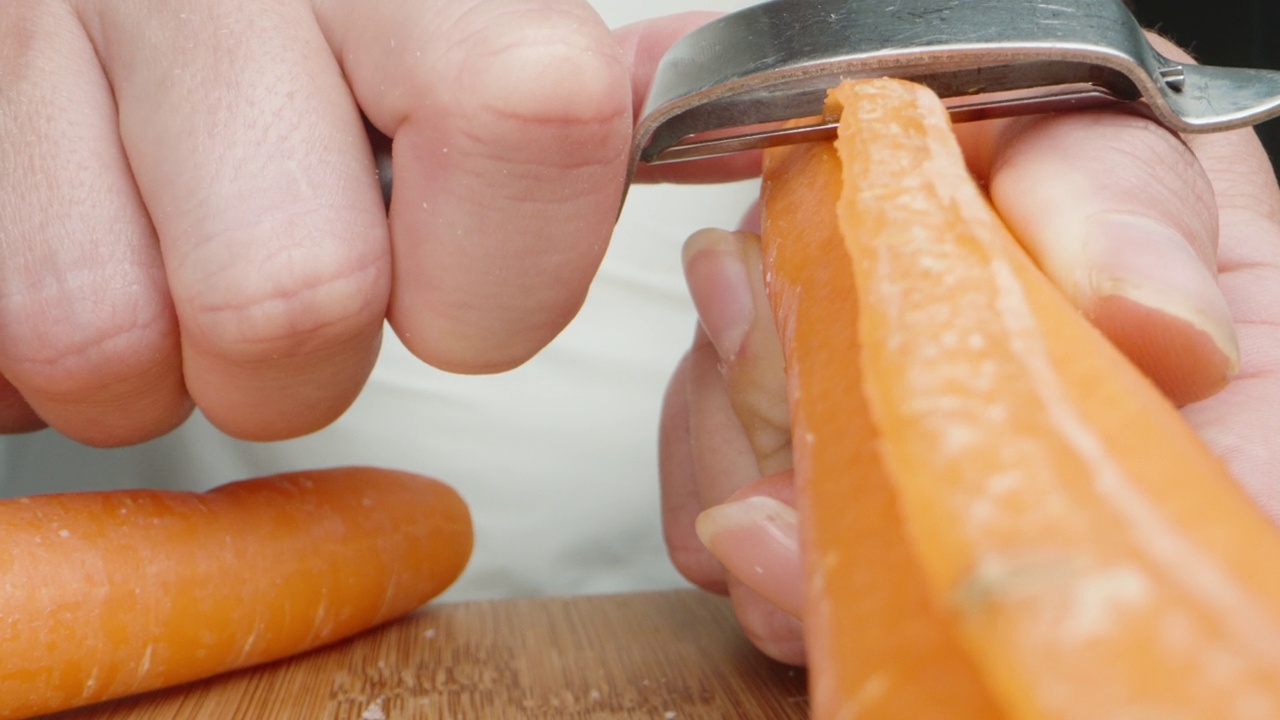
x=729, y=85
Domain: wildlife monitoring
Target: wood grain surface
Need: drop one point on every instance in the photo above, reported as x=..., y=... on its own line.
x=666, y=656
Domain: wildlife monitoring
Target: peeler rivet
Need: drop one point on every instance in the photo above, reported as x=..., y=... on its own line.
x=1175, y=78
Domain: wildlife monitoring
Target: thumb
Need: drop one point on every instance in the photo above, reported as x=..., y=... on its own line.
x=1120, y=215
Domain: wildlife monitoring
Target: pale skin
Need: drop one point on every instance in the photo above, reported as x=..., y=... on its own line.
x=191, y=214
x=192, y=219
x=1170, y=245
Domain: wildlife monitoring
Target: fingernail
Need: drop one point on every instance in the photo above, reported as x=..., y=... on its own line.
x=1149, y=263
x=758, y=541
x=720, y=288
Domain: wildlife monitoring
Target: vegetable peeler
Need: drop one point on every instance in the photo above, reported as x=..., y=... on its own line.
x=730, y=85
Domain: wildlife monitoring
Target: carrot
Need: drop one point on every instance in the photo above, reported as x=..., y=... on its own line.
x=108, y=594
x=864, y=582
x=1034, y=525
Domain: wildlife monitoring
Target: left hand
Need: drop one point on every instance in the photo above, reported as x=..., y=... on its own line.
x=1170, y=246
x=191, y=215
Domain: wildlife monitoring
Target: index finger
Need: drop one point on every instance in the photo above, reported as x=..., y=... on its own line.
x=510, y=122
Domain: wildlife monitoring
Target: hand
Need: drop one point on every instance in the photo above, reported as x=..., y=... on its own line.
x=190, y=213
x=1172, y=249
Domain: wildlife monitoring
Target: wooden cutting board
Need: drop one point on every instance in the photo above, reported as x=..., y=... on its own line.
x=660, y=656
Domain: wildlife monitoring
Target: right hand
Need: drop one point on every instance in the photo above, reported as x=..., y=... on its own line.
x=190, y=217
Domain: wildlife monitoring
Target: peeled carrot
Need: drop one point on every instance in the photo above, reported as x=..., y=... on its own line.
x=1031, y=523
x=866, y=588
x=108, y=594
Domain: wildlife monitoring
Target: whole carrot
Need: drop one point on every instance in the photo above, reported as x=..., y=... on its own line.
x=108, y=594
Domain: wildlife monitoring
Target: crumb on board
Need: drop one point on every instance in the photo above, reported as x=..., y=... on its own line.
x=374, y=711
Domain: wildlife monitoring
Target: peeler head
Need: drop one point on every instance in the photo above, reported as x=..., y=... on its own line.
x=730, y=85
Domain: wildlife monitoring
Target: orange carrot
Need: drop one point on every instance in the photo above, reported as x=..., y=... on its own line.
x=866, y=589
x=1072, y=550
x=114, y=593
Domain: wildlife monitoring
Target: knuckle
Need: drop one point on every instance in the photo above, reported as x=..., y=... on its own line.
x=291, y=314
x=544, y=64
x=1163, y=170
x=287, y=302
x=542, y=88
x=1157, y=155
x=1125, y=161
x=549, y=82
x=87, y=344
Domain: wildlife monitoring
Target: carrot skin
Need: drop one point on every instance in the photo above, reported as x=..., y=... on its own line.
x=109, y=594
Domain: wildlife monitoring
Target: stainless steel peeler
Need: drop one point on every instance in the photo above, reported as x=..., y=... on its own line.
x=729, y=85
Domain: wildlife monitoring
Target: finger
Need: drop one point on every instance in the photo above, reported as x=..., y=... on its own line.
x=740, y=429
x=774, y=632
x=726, y=281
x=1120, y=214
x=1141, y=256
x=756, y=536
x=723, y=459
x=681, y=501
x=510, y=123
x=87, y=334
x=270, y=220
x=643, y=45
x=724, y=416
